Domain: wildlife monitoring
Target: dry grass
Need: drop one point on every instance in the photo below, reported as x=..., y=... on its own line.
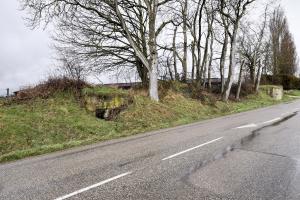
x=41, y=125
x=49, y=87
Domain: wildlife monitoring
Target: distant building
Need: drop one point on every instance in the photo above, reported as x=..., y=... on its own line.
x=4, y=92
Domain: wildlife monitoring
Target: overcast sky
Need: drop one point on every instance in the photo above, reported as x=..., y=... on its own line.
x=26, y=57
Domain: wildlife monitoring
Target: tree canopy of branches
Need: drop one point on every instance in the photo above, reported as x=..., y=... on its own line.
x=284, y=54
x=183, y=40
x=109, y=33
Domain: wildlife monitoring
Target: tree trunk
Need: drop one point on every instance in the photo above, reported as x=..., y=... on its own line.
x=204, y=76
x=209, y=39
x=141, y=68
x=252, y=73
x=253, y=79
x=153, y=58
x=169, y=69
x=198, y=67
x=237, y=96
x=153, y=86
x=175, y=54
x=258, y=77
x=222, y=62
x=143, y=72
x=232, y=64
x=152, y=62
x=210, y=62
x=193, y=60
x=185, y=47
x=204, y=61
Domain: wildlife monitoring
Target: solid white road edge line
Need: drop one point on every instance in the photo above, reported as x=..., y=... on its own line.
x=92, y=186
x=246, y=126
x=193, y=148
x=272, y=120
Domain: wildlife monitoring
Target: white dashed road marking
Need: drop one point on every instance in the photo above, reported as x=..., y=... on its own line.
x=92, y=186
x=193, y=148
x=167, y=158
x=246, y=126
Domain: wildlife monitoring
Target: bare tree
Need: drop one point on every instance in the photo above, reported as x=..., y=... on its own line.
x=288, y=58
x=239, y=85
x=252, y=46
x=175, y=54
x=210, y=17
x=283, y=50
x=233, y=10
x=74, y=70
x=224, y=50
x=277, y=26
x=117, y=35
x=120, y=31
x=185, y=38
x=209, y=74
x=199, y=67
x=258, y=76
x=195, y=21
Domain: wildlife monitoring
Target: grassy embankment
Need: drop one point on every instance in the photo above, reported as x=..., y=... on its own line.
x=39, y=126
x=293, y=93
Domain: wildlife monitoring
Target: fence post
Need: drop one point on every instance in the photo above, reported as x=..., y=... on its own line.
x=7, y=92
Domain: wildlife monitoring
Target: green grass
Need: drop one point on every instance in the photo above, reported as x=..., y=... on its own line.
x=46, y=125
x=104, y=91
x=42, y=126
x=294, y=93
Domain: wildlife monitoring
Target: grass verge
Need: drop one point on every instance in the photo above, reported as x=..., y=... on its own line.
x=41, y=126
x=293, y=93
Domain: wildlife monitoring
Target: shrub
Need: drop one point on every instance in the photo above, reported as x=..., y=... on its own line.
x=246, y=89
x=289, y=82
x=49, y=87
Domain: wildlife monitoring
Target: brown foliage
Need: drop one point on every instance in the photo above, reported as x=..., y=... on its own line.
x=289, y=82
x=203, y=95
x=49, y=87
x=246, y=89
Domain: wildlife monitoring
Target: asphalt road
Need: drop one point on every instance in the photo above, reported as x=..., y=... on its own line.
x=251, y=155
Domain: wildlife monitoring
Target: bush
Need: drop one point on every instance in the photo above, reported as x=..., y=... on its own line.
x=165, y=86
x=203, y=95
x=289, y=82
x=49, y=87
x=246, y=89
